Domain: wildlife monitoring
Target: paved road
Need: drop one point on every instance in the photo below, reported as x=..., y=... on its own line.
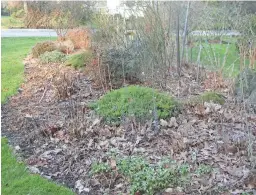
x=52, y=33
x=28, y=33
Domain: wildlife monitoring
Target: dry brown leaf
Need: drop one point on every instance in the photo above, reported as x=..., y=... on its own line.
x=113, y=163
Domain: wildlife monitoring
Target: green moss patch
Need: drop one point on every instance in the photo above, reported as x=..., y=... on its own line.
x=141, y=102
x=208, y=97
x=79, y=60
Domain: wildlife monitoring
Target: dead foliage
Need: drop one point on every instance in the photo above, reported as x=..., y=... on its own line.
x=42, y=47
x=81, y=37
x=65, y=46
x=34, y=18
x=215, y=80
x=12, y=5
x=61, y=138
x=64, y=85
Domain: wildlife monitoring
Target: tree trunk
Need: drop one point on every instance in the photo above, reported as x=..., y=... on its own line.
x=185, y=31
x=178, y=41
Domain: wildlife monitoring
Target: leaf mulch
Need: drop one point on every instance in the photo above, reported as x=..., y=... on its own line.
x=51, y=127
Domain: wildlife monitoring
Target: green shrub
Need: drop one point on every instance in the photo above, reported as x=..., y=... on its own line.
x=136, y=101
x=207, y=97
x=52, y=56
x=212, y=97
x=123, y=63
x=146, y=178
x=79, y=60
x=41, y=48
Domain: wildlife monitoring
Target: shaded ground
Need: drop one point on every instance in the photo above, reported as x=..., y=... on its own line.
x=61, y=137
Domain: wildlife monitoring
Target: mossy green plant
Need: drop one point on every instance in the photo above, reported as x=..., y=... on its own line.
x=79, y=60
x=143, y=103
x=207, y=97
x=212, y=97
x=53, y=56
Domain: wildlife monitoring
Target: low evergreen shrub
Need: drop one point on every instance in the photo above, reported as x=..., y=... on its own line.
x=53, y=56
x=143, y=103
x=79, y=60
x=207, y=97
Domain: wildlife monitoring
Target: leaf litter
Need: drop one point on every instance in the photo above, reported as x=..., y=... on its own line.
x=60, y=137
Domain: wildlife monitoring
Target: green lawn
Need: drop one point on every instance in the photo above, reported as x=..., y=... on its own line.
x=13, y=52
x=15, y=178
x=218, y=56
x=11, y=22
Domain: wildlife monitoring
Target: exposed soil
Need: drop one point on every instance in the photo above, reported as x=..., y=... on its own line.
x=60, y=136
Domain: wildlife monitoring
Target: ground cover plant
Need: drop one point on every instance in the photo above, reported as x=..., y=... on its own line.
x=146, y=178
x=79, y=60
x=53, y=56
x=208, y=97
x=134, y=101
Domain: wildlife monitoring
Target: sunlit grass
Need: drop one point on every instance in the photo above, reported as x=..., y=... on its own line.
x=14, y=50
x=215, y=56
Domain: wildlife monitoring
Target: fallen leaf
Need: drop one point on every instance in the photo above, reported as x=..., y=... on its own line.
x=237, y=172
x=33, y=169
x=231, y=149
x=169, y=190
x=95, y=122
x=113, y=163
x=173, y=122
x=94, y=182
x=90, y=143
x=163, y=123
x=119, y=185
x=17, y=148
x=80, y=186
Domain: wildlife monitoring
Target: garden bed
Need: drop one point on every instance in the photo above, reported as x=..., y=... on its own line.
x=61, y=138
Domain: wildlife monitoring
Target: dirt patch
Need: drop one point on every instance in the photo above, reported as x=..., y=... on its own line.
x=62, y=137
